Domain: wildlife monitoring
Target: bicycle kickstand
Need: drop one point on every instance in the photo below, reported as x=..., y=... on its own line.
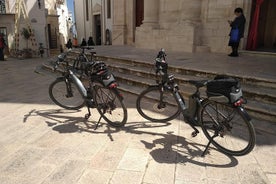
x=98, y=122
x=207, y=146
x=89, y=114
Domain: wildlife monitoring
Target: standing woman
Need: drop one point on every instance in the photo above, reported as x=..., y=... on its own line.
x=238, y=25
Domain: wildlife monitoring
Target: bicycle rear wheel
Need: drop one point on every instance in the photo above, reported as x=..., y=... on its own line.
x=156, y=105
x=227, y=128
x=65, y=94
x=110, y=105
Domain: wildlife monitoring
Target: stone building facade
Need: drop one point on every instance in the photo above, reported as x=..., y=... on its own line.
x=48, y=20
x=186, y=25
x=92, y=20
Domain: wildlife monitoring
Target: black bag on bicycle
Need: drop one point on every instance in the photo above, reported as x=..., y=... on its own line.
x=224, y=86
x=100, y=73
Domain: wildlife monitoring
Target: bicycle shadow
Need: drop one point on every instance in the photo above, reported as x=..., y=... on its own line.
x=172, y=149
x=67, y=121
x=166, y=148
x=63, y=121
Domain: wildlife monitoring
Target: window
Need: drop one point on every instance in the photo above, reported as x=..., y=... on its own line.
x=139, y=12
x=2, y=7
x=108, y=9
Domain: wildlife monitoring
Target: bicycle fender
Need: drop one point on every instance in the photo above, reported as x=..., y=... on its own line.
x=244, y=113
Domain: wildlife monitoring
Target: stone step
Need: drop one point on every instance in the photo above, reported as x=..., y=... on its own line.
x=264, y=94
x=256, y=81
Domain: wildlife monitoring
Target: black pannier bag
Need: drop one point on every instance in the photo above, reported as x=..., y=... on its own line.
x=224, y=86
x=100, y=72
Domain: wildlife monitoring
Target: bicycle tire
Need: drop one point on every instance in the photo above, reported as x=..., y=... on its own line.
x=149, y=107
x=59, y=94
x=110, y=105
x=236, y=134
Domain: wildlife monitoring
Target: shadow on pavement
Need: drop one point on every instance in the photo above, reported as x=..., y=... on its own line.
x=167, y=148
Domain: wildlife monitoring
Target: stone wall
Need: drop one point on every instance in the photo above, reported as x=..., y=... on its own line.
x=178, y=25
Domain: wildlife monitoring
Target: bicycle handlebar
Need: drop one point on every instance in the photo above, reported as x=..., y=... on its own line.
x=161, y=54
x=160, y=63
x=61, y=58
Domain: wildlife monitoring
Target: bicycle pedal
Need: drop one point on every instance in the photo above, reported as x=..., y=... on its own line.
x=87, y=116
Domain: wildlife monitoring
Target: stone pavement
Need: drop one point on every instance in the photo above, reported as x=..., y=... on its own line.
x=42, y=143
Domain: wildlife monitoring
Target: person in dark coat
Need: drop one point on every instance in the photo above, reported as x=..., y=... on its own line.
x=90, y=41
x=83, y=43
x=239, y=22
x=69, y=44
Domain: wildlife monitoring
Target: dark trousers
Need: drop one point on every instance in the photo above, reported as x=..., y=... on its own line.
x=1, y=54
x=234, y=46
x=234, y=50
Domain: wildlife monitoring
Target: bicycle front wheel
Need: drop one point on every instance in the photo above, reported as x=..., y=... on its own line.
x=64, y=93
x=110, y=105
x=227, y=128
x=156, y=105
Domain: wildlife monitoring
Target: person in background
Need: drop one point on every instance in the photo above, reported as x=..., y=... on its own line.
x=83, y=43
x=239, y=23
x=69, y=44
x=90, y=41
x=2, y=47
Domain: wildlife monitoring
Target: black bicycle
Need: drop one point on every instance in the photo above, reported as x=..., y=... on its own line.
x=101, y=92
x=221, y=115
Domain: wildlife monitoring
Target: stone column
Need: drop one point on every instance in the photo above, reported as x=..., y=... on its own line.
x=145, y=35
x=119, y=22
x=151, y=13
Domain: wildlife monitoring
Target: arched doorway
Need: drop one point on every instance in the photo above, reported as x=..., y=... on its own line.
x=266, y=26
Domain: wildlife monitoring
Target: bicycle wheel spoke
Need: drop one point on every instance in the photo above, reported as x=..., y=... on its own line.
x=66, y=96
x=110, y=106
x=156, y=106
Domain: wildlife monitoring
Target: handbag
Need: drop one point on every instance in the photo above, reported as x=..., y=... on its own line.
x=234, y=35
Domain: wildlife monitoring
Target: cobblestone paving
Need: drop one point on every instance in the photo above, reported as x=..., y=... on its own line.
x=41, y=143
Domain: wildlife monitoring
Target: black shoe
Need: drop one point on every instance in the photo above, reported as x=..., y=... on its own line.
x=233, y=55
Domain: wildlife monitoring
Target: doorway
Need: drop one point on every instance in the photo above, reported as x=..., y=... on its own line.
x=98, y=29
x=52, y=35
x=266, y=40
x=139, y=12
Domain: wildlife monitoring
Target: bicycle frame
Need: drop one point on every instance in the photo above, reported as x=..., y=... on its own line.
x=88, y=92
x=79, y=84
